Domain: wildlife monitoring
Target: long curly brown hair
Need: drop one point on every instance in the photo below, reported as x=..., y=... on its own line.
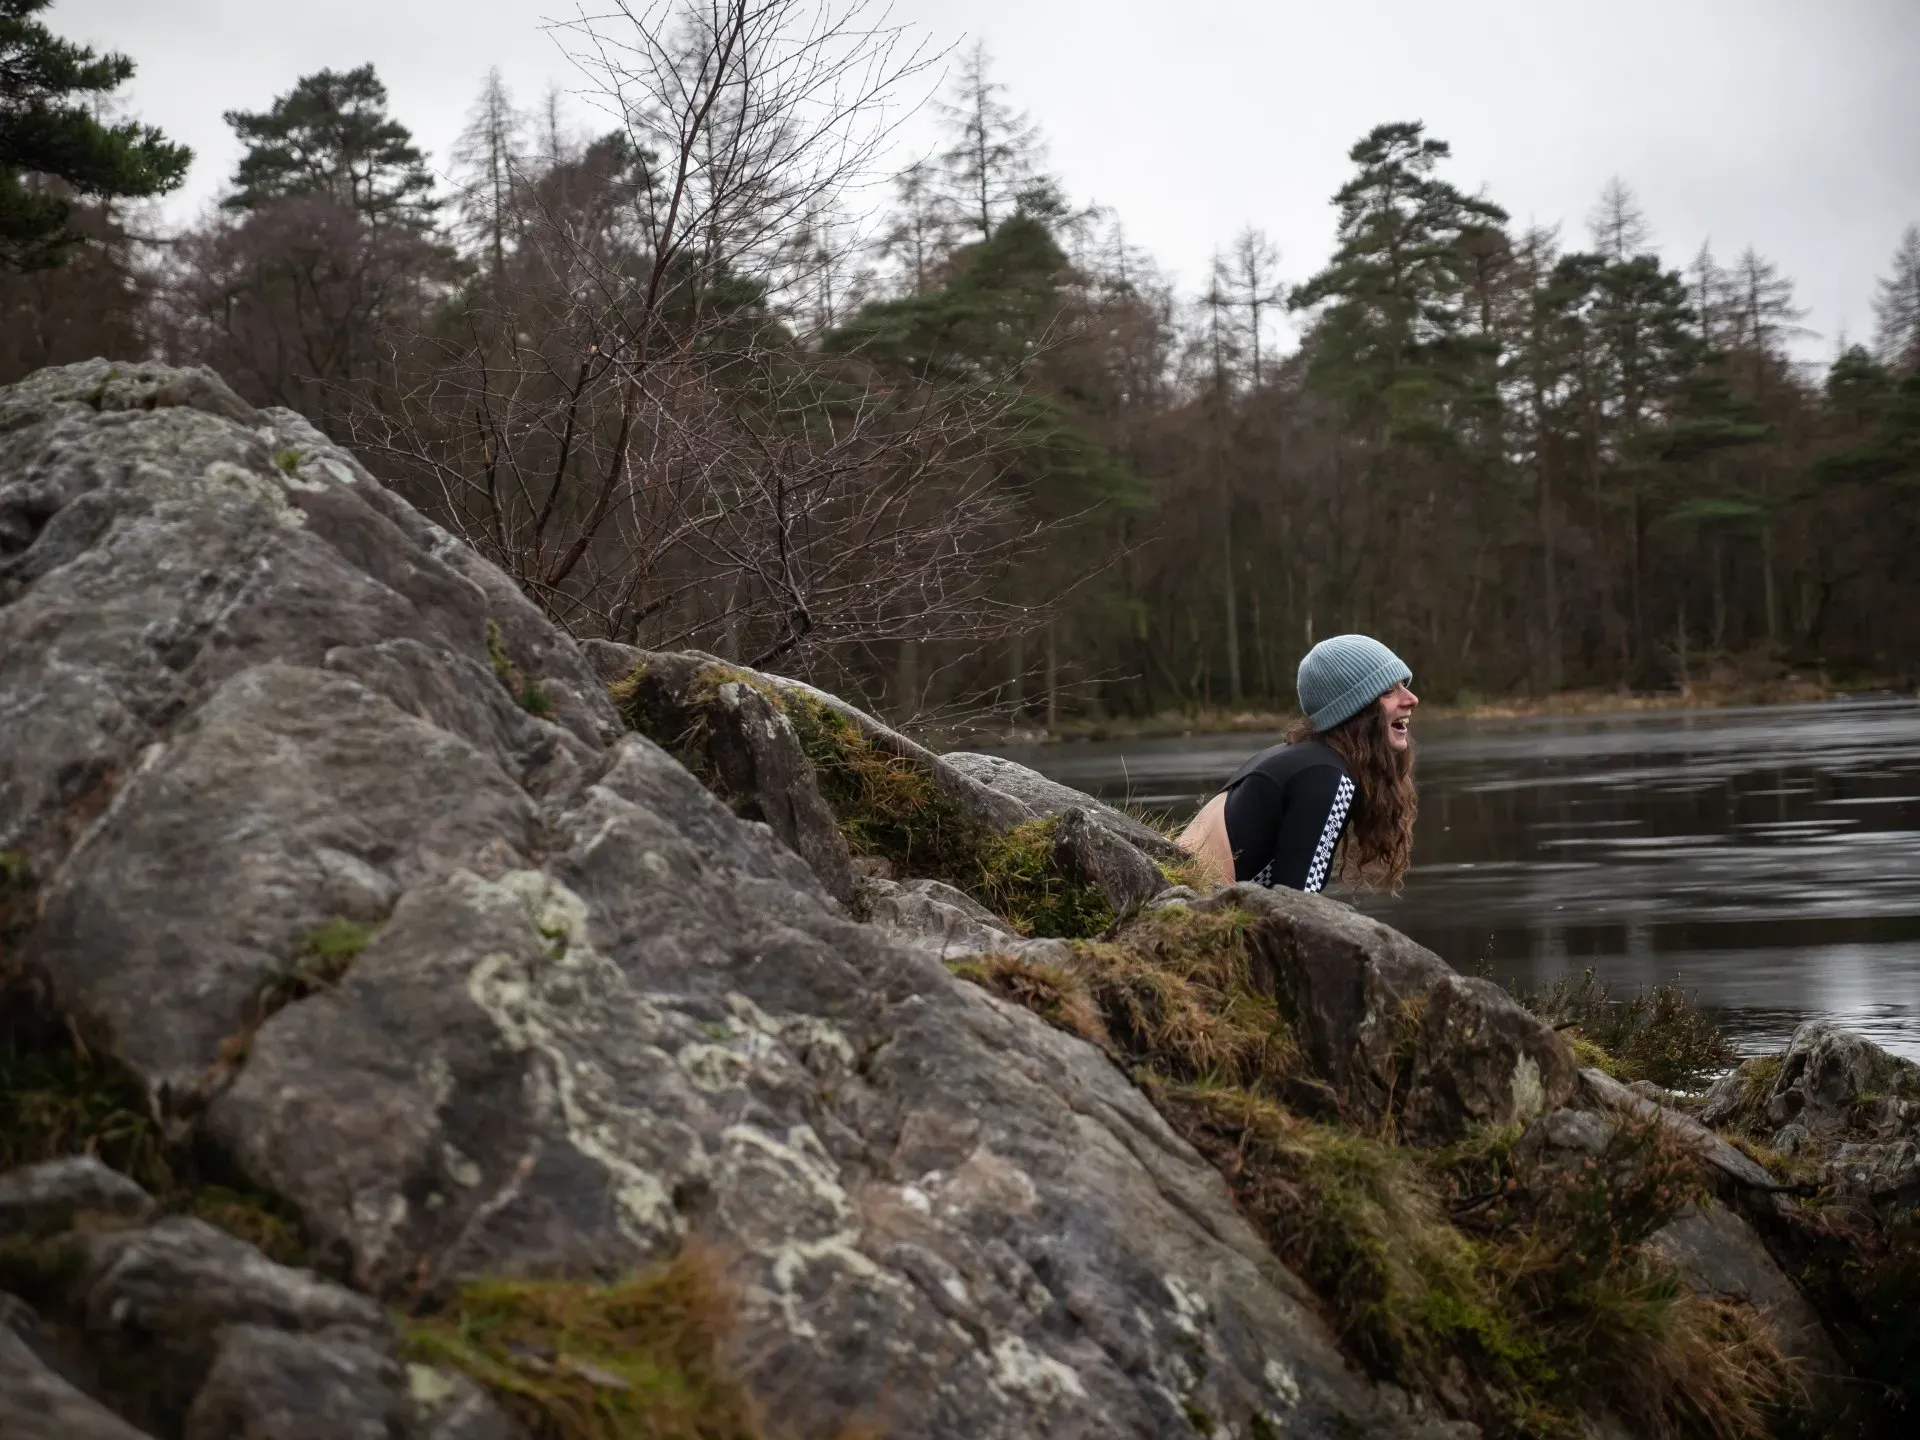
x=1378, y=844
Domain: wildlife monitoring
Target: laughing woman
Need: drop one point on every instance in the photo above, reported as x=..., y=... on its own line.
x=1338, y=792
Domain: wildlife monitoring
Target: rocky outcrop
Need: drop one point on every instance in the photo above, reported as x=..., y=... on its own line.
x=346, y=859
x=584, y=1011
x=1840, y=1104
x=1388, y=1023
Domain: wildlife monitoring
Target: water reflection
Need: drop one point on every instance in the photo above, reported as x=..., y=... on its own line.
x=1770, y=858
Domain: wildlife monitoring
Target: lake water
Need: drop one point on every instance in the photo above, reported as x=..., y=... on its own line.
x=1768, y=859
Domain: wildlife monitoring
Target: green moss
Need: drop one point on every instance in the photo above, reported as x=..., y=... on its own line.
x=1516, y=1296
x=527, y=694
x=56, y=1099
x=890, y=807
x=258, y=1219
x=326, y=953
x=287, y=461
x=1176, y=990
x=1014, y=876
x=639, y=1360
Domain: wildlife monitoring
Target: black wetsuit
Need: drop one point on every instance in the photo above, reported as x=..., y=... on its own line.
x=1286, y=810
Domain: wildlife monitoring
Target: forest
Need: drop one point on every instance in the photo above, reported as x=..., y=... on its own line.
x=951, y=443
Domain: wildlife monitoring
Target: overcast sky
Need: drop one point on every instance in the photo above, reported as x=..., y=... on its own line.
x=1789, y=125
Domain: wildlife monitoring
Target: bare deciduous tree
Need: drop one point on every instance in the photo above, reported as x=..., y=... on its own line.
x=628, y=421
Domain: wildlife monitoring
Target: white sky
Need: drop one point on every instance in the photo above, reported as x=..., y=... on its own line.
x=1790, y=125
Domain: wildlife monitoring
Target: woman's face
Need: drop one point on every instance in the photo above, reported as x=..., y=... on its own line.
x=1397, y=705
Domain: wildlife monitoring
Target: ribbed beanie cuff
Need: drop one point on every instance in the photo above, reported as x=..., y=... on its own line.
x=1344, y=674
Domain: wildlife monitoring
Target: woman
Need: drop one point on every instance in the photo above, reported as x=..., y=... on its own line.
x=1345, y=773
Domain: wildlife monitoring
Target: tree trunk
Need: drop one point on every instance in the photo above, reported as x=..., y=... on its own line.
x=1233, y=611
x=1053, y=676
x=1549, y=596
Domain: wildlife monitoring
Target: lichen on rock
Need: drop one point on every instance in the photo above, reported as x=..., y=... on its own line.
x=572, y=1070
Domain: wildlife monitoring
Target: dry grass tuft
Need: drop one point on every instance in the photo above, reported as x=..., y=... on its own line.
x=1057, y=995
x=644, y=1359
x=1178, y=992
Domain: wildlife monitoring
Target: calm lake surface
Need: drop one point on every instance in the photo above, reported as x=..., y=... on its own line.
x=1769, y=859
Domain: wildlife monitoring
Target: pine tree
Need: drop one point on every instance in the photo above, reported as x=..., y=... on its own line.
x=1617, y=223
x=331, y=135
x=995, y=151
x=1391, y=341
x=489, y=157
x=1251, y=282
x=52, y=148
x=1896, y=308
x=919, y=238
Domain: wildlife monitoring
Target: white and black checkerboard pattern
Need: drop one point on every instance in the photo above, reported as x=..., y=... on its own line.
x=1323, y=852
x=1330, y=836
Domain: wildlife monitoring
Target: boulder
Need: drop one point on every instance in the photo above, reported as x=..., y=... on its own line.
x=44, y=1199
x=1393, y=1028
x=1836, y=1100
x=1828, y=1081
x=37, y=1403
x=597, y=1014
x=745, y=748
x=1718, y=1254
x=269, y=1385
x=1043, y=797
x=156, y=1304
x=1086, y=848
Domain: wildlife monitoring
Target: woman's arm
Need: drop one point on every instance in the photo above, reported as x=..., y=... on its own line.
x=1290, y=836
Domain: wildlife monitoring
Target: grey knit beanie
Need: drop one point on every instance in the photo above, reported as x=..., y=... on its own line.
x=1344, y=674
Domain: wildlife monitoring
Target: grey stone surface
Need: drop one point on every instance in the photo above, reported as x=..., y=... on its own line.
x=946, y=924
x=36, y=1403
x=43, y=1199
x=267, y=1384
x=1044, y=797
x=246, y=692
x=1090, y=850
x=1718, y=1254
x=1388, y=1022
x=1839, y=1100
x=747, y=750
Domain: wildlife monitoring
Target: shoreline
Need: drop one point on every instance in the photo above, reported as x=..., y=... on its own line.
x=1793, y=690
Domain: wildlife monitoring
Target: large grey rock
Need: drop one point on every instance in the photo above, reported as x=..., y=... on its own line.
x=270, y=1385
x=37, y=1403
x=1393, y=1028
x=1718, y=1254
x=1044, y=797
x=39, y=1200
x=1838, y=1100
x=245, y=691
x=1827, y=1081
x=1088, y=849
x=946, y=923
x=746, y=749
